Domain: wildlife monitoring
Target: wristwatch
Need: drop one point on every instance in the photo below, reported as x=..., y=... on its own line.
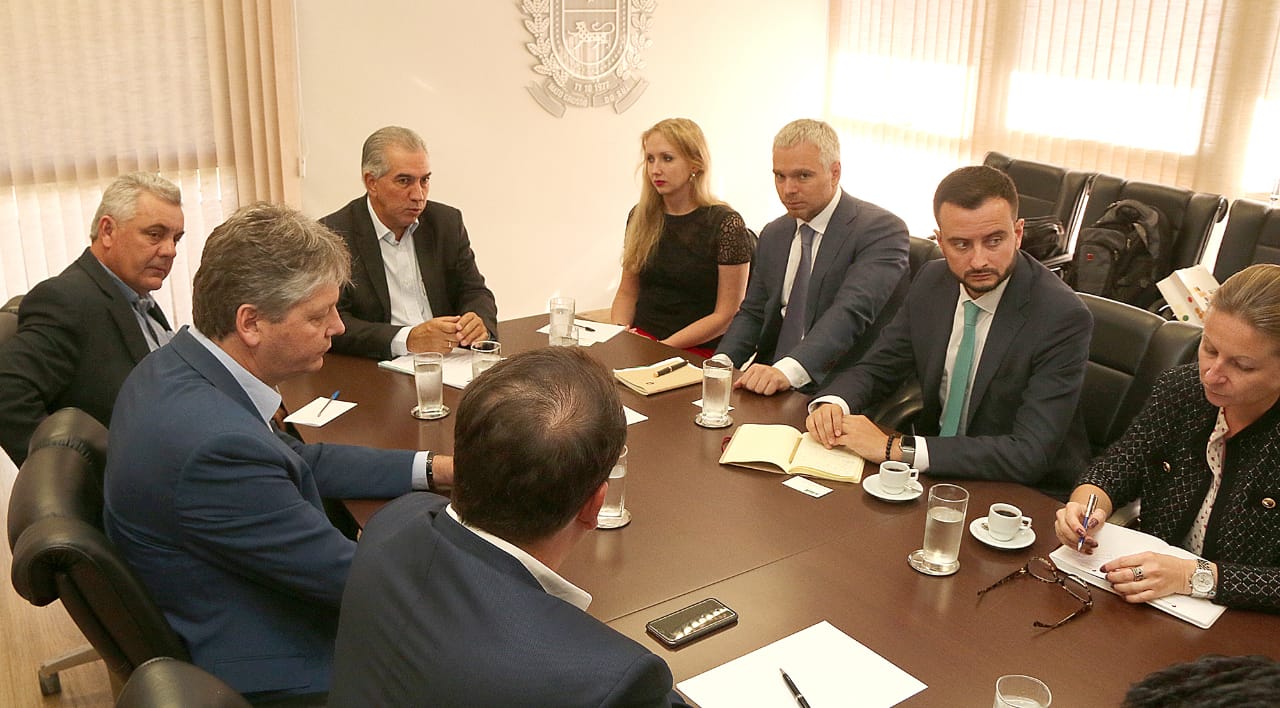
x=431, y=477
x=1202, y=584
x=908, y=446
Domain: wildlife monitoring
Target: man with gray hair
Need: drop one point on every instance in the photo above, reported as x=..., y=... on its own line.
x=414, y=284
x=827, y=276
x=81, y=332
x=218, y=513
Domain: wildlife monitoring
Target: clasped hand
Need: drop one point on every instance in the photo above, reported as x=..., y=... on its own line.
x=442, y=334
x=832, y=428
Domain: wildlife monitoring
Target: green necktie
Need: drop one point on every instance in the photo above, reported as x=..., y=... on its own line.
x=961, y=373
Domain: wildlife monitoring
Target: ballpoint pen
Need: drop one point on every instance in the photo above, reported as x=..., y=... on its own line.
x=1088, y=512
x=332, y=398
x=668, y=369
x=584, y=327
x=794, y=691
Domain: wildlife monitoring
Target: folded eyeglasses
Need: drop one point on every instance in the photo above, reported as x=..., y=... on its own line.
x=1045, y=571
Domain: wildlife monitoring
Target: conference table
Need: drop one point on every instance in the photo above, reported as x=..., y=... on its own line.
x=784, y=560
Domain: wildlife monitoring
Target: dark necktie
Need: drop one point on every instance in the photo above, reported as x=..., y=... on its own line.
x=149, y=310
x=793, y=322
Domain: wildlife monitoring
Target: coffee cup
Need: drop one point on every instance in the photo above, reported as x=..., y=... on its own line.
x=1004, y=521
x=894, y=476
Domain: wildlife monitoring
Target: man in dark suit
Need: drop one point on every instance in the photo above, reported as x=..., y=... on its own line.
x=81, y=333
x=1000, y=360
x=827, y=276
x=218, y=513
x=460, y=604
x=414, y=282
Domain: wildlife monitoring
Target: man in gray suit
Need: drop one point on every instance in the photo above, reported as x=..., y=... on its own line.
x=998, y=343
x=827, y=276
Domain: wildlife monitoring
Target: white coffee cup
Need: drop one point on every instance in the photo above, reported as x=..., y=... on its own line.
x=894, y=476
x=1004, y=521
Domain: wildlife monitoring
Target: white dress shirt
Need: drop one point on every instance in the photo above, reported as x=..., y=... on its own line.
x=409, y=304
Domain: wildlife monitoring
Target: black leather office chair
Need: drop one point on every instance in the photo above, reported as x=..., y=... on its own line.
x=61, y=553
x=1043, y=189
x=1252, y=236
x=169, y=683
x=1191, y=214
x=9, y=318
x=921, y=251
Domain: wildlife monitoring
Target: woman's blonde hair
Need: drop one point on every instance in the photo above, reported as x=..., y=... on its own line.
x=645, y=225
x=1253, y=295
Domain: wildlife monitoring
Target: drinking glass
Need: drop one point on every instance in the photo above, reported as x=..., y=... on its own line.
x=943, y=529
x=1018, y=691
x=484, y=355
x=614, y=513
x=428, y=378
x=717, y=382
x=562, y=328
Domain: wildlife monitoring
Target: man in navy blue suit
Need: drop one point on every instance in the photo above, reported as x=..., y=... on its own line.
x=219, y=514
x=460, y=604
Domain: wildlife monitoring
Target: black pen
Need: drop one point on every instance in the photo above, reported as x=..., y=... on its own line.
x=332, y=398
x=668, y=369
x=794, y=691
x=584, y=327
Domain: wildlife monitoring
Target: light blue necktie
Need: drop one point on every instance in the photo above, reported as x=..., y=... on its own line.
x=961, y=373
x=793, y=322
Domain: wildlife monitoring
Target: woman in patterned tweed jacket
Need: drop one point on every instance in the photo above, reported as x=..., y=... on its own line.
x=1204, y=457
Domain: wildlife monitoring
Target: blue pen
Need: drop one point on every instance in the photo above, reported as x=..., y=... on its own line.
x=332, y=398
x=1088, y=513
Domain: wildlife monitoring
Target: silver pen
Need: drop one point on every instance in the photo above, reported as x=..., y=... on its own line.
x=1088, y=513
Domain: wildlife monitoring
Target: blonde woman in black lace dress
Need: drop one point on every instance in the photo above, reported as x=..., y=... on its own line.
x=1204, y=458
x=686, y=254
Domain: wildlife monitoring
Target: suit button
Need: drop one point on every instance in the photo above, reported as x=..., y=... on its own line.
x=1166, y=466
x=1268, y=503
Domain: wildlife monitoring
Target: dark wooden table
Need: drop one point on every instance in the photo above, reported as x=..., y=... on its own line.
x=785, y=561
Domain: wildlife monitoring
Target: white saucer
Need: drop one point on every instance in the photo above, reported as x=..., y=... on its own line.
x=1022, y=539
x=913, y=490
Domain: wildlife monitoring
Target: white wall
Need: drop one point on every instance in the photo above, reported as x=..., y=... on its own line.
x=545, y=199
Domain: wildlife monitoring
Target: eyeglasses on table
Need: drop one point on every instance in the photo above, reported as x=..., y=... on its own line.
x=1045, y=571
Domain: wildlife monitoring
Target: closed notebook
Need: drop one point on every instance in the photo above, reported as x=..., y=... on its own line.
x=1116, y=541
x=645, y=380
x=785, y=450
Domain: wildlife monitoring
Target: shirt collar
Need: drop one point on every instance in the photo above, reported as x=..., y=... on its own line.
x=551, y=582
x=266, y=400
x=819, y=223
x=988, y=301
x=130, y=294
x=382, y=231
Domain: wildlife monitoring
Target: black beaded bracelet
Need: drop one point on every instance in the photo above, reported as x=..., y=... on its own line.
x=888, y=447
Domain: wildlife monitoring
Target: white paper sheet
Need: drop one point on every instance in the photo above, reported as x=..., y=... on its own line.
x=634, y=417
x=309, y=415
x=807, y=486
x=828, y=666
x=457, y=367
x=590, y=332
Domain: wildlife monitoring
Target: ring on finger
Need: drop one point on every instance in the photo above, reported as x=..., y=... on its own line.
x=1137, y=572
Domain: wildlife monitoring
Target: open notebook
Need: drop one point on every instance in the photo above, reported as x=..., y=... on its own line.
x=1116, y=541
x=785, y=450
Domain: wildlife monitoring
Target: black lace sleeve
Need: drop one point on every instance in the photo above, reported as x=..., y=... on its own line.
x=734, y=243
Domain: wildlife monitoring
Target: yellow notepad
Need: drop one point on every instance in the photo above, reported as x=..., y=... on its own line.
x=785, y=450
x=645, y=381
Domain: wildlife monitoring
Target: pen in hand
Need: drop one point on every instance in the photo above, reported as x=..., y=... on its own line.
x=1088, y=516
x=668, y=369
x=332, y=398
x=794, y=691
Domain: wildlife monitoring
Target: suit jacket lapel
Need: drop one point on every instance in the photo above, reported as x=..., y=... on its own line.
x=121, y=312
x=210, y=368
x=938, y=329
x=1008, y=321
x=369, y=253
x=834, y=240
x=424, y=241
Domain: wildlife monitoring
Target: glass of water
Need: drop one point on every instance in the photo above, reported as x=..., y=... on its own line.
x=614, y=513
x=562, y=328
x=484, y=355
x=428, y=378
x=717, y=382
x=1017, y=691
x=943, y=529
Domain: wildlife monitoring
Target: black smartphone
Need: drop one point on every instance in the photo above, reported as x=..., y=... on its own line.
x=694, y=621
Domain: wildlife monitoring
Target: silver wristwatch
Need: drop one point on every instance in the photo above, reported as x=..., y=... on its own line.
x=908, y=447
x=1202, y=584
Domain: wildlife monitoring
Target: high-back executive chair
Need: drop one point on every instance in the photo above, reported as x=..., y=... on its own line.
x=1044, y=189
x=164, y=682
x=9, y=318
x=1252, y=236
x=61, y=553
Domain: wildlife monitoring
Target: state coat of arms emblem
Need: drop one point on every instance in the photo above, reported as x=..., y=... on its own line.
x=588, y=50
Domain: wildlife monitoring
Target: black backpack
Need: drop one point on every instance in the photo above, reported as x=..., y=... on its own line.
x=1043, y=237
x=1123, y=254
